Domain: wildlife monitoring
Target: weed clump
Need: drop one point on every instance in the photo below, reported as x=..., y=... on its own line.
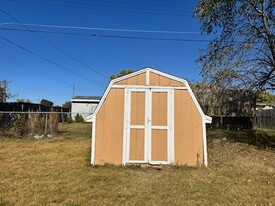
x=53, y=123
x=31, y=124
x=20, y=124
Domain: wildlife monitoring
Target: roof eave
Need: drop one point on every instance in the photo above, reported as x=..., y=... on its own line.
x=90, y=118
x=207, y=119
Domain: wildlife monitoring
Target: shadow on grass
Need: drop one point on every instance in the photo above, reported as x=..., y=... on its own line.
x=258, y=138
x=62, y=133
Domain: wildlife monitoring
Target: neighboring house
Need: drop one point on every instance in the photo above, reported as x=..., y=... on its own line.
x=264, y=106
x=149, y=117
x=84, y=105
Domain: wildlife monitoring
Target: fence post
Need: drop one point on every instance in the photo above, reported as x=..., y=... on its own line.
x=46, y=124
x=62, y=116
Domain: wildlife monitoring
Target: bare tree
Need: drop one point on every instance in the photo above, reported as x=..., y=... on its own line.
x=217, y=101
x=243, y=53
x=4, y=91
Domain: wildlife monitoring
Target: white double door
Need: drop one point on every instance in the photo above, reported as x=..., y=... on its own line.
x=148, y=126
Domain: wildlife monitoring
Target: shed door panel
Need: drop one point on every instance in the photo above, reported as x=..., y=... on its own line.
x=159, y=127
x=159, y=145
x=137, y=108
x=136, y=140
x=136, y=144
x=159, y=108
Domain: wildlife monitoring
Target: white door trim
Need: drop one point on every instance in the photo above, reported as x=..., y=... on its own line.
x=148, y=125
x=128, y=126
x=171, y=128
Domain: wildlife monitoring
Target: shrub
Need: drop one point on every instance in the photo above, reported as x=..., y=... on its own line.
x=78, y=118
x=53, y=123
x=20, y=124
x=5, y=124
x=13, y=125
x=39, y=124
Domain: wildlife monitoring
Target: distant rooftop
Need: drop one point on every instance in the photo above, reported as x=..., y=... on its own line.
x=87, y=97
x=265, y=104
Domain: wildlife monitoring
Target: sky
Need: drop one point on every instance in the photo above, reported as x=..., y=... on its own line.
x=44, y=62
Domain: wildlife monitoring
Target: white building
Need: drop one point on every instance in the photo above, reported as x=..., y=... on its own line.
x=84, y=105
x=264, y=106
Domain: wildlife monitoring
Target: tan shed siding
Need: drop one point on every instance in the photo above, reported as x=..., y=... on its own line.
x=139, y=79
x=109, y=129
x=158, y=80
x=188, y=130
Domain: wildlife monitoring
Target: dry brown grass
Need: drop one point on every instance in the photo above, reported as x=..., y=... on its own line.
x=56, y=171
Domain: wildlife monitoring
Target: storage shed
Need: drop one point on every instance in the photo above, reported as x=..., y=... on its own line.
x=149, y=117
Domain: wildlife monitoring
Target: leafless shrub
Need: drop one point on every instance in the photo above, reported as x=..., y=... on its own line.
x=53, y=123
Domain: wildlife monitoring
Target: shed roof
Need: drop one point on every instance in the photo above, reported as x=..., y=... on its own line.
x=87, y=97
x=206, y=118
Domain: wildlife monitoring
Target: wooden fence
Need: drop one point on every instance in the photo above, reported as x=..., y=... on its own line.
x=231, y=123
x=265, y=118
x=30, y=107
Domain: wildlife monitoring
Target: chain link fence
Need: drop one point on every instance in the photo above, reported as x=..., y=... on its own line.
x=34, y=124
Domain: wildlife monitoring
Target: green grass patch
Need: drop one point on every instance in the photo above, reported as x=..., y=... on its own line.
x=75, y=130
x=56, y=171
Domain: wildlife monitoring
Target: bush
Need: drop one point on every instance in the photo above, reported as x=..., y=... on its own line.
x=39, y=124
x=5, y=124
x=78, y=118
x=53, y=123
x=20, y=124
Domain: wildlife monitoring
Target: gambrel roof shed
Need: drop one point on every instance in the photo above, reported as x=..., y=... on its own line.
x=149, y=117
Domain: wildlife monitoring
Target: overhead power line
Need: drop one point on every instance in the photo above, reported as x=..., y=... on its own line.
x=56, y=47
x=46, y=59
x=103, y=28
x=170, y=5
x=105, y=8
x=39, y=90
x=22, y=66
x=121, y=6
x=111, y=36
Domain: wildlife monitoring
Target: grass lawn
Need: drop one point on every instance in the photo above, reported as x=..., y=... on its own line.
x=56, y=171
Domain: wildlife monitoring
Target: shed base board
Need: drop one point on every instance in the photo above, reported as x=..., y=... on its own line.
x=144, y=165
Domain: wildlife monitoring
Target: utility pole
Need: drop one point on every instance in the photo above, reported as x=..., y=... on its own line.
x=73, y=89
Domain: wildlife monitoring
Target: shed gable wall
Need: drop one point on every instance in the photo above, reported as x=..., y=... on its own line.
x=159, y=80
x=188, y=130
x=109, y=129
x=154, y=79
x=139, y=79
